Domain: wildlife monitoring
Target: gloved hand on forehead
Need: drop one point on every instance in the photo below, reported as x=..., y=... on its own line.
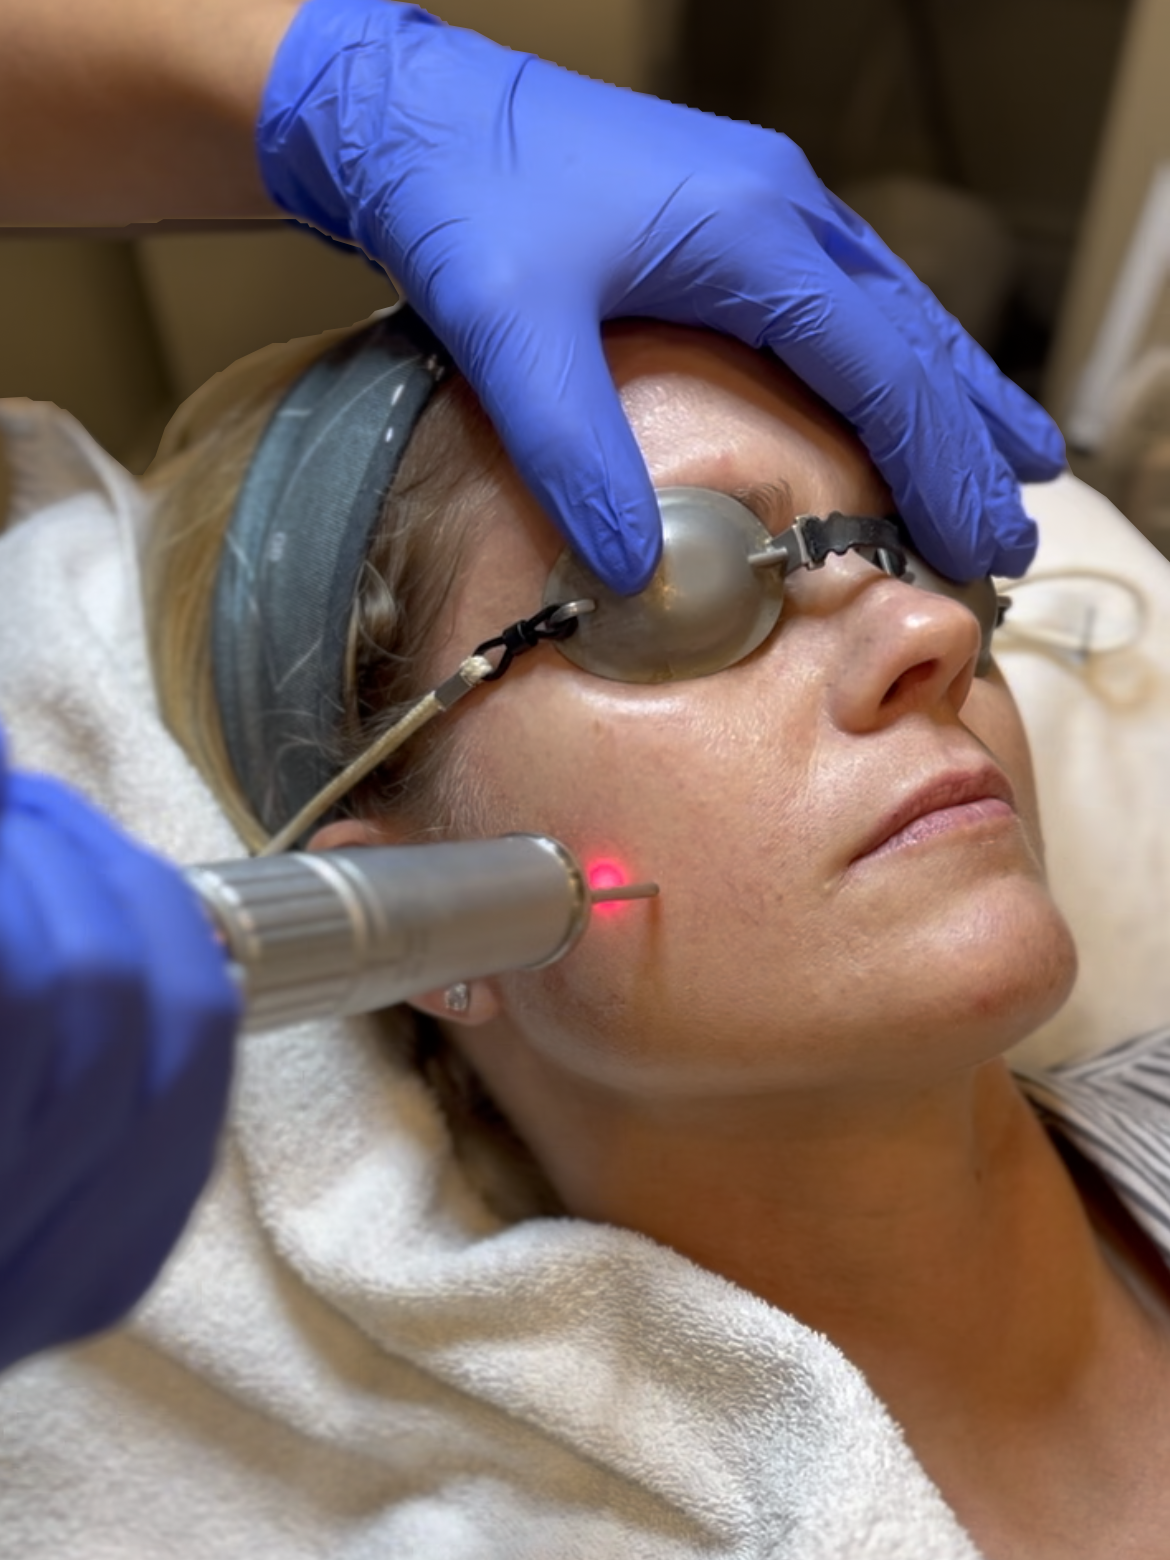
x=519, y=205
x=117, y=1017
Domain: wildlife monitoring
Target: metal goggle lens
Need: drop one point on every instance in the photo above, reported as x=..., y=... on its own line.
x=719, y=589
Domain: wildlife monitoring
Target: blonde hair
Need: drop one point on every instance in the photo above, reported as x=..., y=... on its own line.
x=447, y=470
x=413, y=562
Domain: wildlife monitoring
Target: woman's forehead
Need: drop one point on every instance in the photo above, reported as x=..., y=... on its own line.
x=709, y=411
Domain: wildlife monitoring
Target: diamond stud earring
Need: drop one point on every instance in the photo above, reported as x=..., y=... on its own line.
x=457, y=998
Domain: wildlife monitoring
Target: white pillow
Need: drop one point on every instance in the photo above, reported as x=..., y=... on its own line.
x=1100, y=734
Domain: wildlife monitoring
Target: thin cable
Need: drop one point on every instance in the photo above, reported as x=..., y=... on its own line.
x=556, y=621
x=474, y=670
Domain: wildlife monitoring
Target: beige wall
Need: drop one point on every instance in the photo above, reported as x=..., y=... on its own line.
x=75, y=329
x=610, y=39
x=117, y=333
x=1136, y=139
x=215, y=296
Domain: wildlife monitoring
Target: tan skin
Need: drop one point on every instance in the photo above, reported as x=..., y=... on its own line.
x=119, y=111
x=789, y=1067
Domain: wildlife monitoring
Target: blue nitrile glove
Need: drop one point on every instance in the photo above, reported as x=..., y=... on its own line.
x=518, y=205
x=116, y=1024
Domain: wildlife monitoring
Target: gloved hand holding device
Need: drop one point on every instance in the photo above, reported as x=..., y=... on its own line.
x=116, y=1023
x=519, y=205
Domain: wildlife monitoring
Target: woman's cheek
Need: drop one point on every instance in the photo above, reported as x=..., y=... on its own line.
x=697, y=788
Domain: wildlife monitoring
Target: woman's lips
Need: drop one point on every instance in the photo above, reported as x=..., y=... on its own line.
x=951, y=801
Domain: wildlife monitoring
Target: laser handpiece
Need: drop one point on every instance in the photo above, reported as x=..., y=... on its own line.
x=347, y=931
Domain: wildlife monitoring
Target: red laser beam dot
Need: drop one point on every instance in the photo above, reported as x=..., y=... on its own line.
x=606, y=874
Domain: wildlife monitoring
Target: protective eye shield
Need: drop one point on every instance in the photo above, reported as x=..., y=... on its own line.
x=719, y=589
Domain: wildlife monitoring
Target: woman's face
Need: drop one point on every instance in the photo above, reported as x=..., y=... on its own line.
x=843, y=826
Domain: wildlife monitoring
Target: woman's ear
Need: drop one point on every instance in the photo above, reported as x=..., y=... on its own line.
x=346, y=833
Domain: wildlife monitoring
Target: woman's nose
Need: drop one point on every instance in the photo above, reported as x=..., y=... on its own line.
x=901, y=650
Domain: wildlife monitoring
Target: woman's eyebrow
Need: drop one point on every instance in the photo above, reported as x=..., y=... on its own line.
x=771, y=503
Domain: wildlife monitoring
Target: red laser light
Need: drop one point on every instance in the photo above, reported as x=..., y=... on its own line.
x=606, y=874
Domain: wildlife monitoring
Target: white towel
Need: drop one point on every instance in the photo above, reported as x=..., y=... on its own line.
x=349, y=1356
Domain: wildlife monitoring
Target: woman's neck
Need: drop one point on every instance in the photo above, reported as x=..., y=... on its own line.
x=934, y=1236
x=930, y=1233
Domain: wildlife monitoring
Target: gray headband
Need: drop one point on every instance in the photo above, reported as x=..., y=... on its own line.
x=293, y=554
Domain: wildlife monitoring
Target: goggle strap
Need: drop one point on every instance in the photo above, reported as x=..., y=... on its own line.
x=812, y=539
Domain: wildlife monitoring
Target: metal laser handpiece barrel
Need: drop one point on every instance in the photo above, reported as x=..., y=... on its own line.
x=347, y=931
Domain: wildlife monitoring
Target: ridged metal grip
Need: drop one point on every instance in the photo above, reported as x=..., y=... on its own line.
x=347, y=931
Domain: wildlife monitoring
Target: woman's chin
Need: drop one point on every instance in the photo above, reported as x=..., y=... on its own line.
x=1002, y=966
x=945, y=985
